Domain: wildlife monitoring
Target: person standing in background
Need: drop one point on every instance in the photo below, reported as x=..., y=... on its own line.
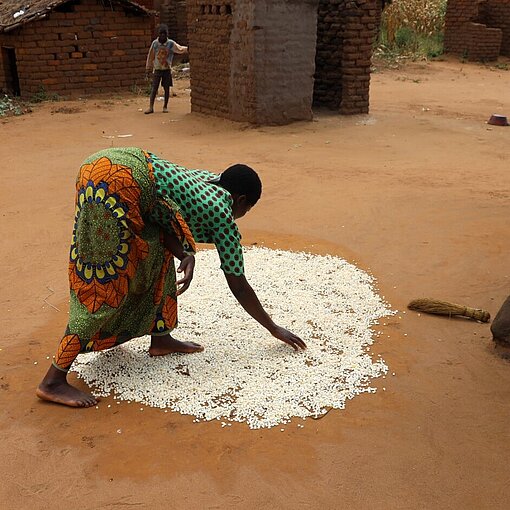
x=159, y=61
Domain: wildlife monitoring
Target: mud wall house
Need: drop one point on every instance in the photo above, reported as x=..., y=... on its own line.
x=270, y=61
x=73, y=46
x=478, y=30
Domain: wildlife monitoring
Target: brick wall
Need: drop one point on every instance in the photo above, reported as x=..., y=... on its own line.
x=174, y=14
x=285, y=44
x=253, y=60
x=92, y=49
x=345, y=33
x=498, y=16
x=243, y=92
x=210, y=28
x=5, y=78
x=155, y=7
x=478, y=30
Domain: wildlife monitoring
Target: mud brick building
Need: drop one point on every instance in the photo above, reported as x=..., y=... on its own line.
x=269, y=61
x=72, y=46
x=478, y=30
x=253, y=60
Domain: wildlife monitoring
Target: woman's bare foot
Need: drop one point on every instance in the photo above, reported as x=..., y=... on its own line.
x=162, y=345
x=55, y=388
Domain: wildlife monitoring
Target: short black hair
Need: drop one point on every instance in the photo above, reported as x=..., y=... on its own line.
x=242, y=180
x=163, y=27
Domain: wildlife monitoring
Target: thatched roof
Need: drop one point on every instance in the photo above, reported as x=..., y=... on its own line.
x=14, y=13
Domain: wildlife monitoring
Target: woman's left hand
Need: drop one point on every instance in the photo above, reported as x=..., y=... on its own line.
x=187, y=267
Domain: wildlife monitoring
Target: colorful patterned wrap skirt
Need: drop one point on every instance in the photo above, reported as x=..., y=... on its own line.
x=122, y=278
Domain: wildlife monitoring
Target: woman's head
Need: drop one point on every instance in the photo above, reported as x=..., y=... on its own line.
x=243, y=183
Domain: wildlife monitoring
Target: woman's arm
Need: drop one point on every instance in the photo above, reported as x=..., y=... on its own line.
x=249, y=301
x=172, y=243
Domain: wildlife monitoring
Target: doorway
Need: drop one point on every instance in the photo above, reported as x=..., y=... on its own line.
x=11, y=71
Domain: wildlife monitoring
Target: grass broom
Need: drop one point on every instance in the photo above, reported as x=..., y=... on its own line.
x=437, y=307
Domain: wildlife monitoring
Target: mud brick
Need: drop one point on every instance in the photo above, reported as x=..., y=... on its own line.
x=50, y=22
x=67, y=36
x=81, y=21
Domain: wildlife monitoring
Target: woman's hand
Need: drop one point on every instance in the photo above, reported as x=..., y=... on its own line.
x=250, y=302
x=289, y=338
x=187, y=267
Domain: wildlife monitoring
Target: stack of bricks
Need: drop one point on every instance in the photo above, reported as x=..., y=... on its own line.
x=345, y=35
x=498, y=16
x=84, y=48
x=469, y=31
x=174, y=14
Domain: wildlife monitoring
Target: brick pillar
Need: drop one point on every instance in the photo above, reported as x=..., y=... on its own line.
x=345, y=33
x=253, y=60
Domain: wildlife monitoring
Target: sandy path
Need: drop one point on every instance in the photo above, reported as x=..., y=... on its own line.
x=418, y=192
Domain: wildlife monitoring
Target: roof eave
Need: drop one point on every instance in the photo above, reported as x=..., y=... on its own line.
x=46, y=11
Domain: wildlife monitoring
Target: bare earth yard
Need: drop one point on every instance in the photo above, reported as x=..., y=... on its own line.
x=418, y=193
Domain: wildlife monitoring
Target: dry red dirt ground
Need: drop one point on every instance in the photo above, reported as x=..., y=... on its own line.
x=418, y=193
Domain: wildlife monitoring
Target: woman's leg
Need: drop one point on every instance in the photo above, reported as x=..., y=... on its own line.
x=167, y=344
x=54, y=386
x=162, y=342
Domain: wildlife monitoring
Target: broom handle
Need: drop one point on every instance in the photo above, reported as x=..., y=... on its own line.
x=474, y=313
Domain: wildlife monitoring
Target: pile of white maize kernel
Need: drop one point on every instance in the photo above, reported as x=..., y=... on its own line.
x=245, y=374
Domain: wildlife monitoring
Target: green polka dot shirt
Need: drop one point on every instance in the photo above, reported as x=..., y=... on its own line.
x=205, y=206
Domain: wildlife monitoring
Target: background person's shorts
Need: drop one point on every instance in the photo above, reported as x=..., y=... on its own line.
x=165, y=76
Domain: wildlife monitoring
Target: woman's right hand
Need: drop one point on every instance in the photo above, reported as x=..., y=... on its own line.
x=250, y=302
x=187, y=267
x=289, y=338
